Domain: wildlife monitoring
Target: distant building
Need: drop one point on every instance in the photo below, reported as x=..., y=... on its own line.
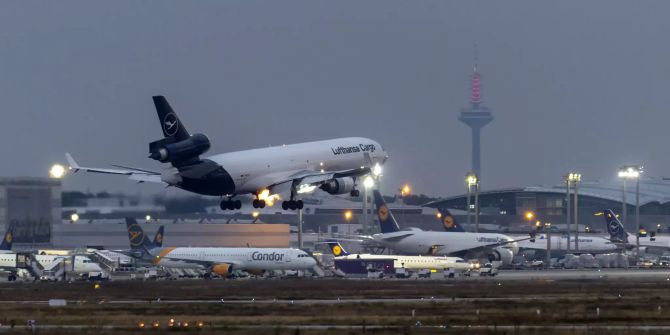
x=506, y=207
x=32, y=206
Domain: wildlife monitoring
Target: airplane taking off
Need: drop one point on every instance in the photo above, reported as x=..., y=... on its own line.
x=335, y=166
x=401, y=261
x=415, y=241
x=221, y=261
x=650, y=243
x=559, y=242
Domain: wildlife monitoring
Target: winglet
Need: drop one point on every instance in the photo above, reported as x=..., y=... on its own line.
x=73, y=164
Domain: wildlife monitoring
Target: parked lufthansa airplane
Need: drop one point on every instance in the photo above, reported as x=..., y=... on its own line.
x=559, y=242
x=334, y=166
x=414, y=241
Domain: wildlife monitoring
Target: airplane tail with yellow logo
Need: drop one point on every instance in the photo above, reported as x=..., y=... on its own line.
x=158, y=239
x=448, y=221
x=7, y=239
x=387, y=222
x=336, y=248
x=140, y=244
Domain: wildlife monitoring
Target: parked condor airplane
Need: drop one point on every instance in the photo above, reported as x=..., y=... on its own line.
x=334, y=166
x=221, y=261
x=415, y=241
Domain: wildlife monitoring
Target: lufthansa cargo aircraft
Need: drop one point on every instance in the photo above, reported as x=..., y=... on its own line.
x=335, y=166
x=408, y=262
x=221, y=261
x=415, y=241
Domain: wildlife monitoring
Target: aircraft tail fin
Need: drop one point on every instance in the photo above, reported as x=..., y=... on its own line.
x=138, y=239
x=448, y=221
x=158, y=239
x=172, y=127
x=387, y=222
x=336, y=248
x=7, y=240
x=614, y=227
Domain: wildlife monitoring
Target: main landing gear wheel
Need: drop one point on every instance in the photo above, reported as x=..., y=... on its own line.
x=231, y=204
x=258, y=203
x=355, y=193
x=292, y=205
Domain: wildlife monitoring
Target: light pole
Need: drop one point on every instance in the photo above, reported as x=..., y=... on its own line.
x=368, y=183
x=347, y=217
x=572, y=178
x=529, y=216
x=567, y=210
x=632, y=172
x=470, y=181
x=547, y=227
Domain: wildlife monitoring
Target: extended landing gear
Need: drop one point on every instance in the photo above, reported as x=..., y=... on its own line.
x=355, y=193
x=292, y=205
x=258, y=203
x=231, y=204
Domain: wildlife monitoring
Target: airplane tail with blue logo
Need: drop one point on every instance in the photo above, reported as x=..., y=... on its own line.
x=614, y=227
x=448, y=221
x=158, y=239
x=7, y=239
x=172, y=127
x=387, y=222
x=336, y=248
x=139, y=242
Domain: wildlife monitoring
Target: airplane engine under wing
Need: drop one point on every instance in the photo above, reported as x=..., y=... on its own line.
x=338, y=185
x=501, y=254
x=222, y=270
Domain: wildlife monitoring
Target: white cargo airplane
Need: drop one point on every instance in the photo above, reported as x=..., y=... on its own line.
x=408, y=262
x=414, y=241
x=221, y=261
x=334, y=166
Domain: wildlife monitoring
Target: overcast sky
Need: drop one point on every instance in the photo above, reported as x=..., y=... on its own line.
x=577, y=85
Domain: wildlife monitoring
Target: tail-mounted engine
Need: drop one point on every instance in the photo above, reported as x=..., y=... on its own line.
x=169, y=150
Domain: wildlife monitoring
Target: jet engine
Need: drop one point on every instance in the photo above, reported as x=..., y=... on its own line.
x=338, y=185
x=166, y=150
x=222, y=270
x=501, y=254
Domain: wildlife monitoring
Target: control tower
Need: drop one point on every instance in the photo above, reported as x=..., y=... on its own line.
x=476, y=117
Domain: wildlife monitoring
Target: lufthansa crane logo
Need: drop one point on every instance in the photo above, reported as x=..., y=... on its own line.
x=170, y=124
x=614, y=227
x=136, y=236
x=9, y=238
x=337, y=250
x=448, y=222
x=383, y=213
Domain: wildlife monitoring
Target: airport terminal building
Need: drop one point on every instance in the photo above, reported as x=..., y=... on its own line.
x=506, y=207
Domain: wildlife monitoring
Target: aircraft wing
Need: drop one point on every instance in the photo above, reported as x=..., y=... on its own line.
x=486, y=247
x=313, y=178
x=138, y=175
